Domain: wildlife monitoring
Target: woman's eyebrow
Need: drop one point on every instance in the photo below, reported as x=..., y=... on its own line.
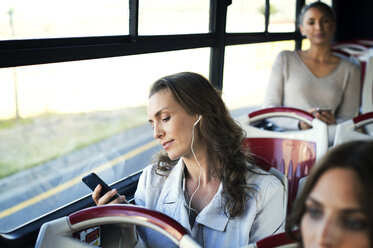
x=353, y=210
x=346, y=211
x=313, y=200
x=158, y=113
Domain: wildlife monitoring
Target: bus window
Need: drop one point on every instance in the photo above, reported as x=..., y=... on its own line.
x=246, y=16
x=246, y=72
x=74, y=118
x=282, y=16
x=173, y=17
x=70, y=18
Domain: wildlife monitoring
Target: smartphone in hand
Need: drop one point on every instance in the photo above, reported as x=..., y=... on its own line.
x=320, y=110
x=92, y=180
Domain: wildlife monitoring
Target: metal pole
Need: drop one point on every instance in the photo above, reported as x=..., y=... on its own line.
x=10, y=13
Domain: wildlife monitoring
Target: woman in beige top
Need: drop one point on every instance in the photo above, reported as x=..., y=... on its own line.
x=315, y=78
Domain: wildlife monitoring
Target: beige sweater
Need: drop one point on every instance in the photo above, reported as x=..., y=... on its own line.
x=292, y=84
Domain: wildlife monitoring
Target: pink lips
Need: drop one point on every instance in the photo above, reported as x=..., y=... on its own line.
x=167, y=144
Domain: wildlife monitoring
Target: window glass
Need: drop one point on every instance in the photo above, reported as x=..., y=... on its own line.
x=282, y=16
x=173, y=16
x=306, y=44
x=246, y=16
x=24, y=19
x=74, y=118
x=246, y=73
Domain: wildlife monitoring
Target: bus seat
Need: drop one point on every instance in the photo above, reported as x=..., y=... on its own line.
x=367, y=82
x=60, y=232
x=355, y=52
x=293, y=153
x=362, y=50
x=367, y=42
x=347, y=130
x=279, y=240
x=350, y=48
x=301, y=183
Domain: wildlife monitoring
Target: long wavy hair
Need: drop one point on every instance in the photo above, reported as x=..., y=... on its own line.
x=223, y=136
x=356, y=156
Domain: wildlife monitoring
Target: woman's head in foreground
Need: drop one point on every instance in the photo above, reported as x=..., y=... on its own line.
x=335, y=207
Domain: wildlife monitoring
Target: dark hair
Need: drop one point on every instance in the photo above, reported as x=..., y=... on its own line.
x=319, y=5
x=356, y=156
x=223, y=136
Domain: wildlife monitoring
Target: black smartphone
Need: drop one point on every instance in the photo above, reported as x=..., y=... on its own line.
x=92, y=180
x=323, y=110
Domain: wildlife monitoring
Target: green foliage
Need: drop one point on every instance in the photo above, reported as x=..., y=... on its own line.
x=5, y=124
x=272, y=9
x=29, y=142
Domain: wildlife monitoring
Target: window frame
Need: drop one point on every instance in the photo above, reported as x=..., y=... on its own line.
x=53, y=50
x=14, y=53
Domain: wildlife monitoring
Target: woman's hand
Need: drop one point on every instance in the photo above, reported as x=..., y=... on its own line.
x=302, y=125
x=129, y=235
x=323, y=115
x=105, y=198
x=326, y=116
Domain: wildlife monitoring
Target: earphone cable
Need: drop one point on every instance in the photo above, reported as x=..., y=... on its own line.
x=200, y=170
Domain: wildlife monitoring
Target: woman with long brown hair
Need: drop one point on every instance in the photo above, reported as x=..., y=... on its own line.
x=202, y=178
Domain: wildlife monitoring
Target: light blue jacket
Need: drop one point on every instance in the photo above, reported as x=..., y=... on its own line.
x=264, y=213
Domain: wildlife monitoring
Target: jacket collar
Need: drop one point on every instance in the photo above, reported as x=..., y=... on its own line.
x=212, y=215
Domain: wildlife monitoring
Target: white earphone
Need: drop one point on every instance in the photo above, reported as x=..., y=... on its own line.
x=200, y=168
x=199, y=118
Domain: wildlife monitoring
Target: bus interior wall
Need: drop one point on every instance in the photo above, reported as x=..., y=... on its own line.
x=357, y=25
